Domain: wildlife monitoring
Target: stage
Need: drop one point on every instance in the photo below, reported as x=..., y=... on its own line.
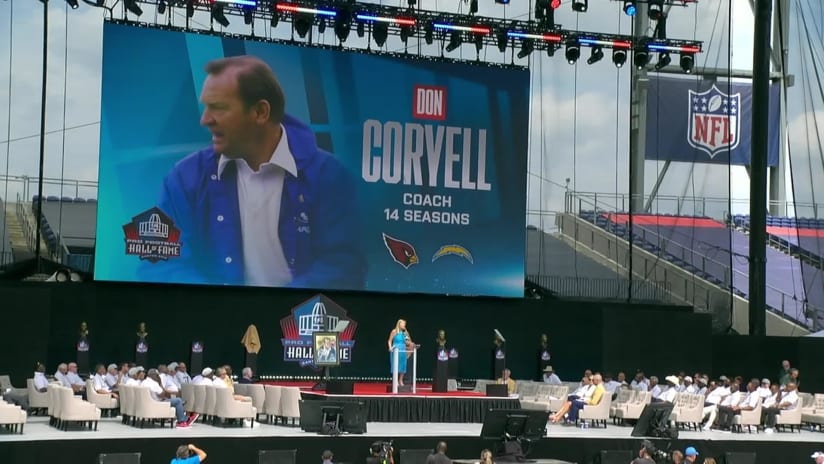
x=42, y=443
x=421, y=406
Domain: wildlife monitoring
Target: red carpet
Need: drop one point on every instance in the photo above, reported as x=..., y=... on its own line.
x=377, y=389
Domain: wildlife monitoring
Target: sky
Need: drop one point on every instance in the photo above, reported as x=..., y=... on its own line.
x=579, y=114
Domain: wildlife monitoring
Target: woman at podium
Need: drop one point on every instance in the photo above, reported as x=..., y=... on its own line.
x=399, y=338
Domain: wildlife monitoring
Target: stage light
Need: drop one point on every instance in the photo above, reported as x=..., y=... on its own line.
x=555, y=4
x=380, y=31
x=502, y=2
x=386, y=19
x=454, y=27
x=132, y=6
x=501, y=39
x=302, y=23
x=248, y=16
x=555, y=38
x=321, y=25
x=630, y=7
x=664, y=60
x=455, y=40
x=656, y=9
x=573, y=51
x=73, y=4
x=619, y=57
x=479, y=41
x=581, y=6
x=596, y=55
x=299, y=9
x=687, y=62
x=343, y=25
x=361, y=30
x=190, y=9
x=161, y=7
x=527, y=45
x=249, y=3
x=545, y=11
x=411, y=3
x=429, y=33
x=641, y=58
x=473, y=6
x=218, y=15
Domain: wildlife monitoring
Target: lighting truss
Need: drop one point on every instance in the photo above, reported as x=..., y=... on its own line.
x=439, y=27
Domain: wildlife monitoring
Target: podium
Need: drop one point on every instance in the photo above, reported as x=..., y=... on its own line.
x=440, y=376
x=325, y=371
x=196, y=357
x=453, y=363
x=543, y=358
x=141, y=352
x=82, y=356
x=395, y=357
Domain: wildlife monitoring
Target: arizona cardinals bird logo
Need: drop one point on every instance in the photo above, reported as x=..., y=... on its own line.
x=402, y=252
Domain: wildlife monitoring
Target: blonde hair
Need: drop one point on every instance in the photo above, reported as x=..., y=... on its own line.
x=398, y=324
x=709, y=461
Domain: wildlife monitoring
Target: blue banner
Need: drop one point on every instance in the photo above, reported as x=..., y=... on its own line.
x=705, y=121
x=300, y=167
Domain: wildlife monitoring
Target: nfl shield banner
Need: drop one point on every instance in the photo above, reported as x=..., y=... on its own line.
x=705, y=121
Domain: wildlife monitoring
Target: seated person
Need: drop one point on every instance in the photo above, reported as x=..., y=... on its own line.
x=152, y=382
x=591, y=397
x=730, y=400
x=781, y=401
x=41, y=383
x=101, y=387
x=507, y=379
x=550, y=377
x=726, y=414
x=246, y=376
x=669, y=395
x=222, y=380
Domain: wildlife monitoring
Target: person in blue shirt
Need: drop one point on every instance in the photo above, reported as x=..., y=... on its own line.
x=189, y=454
x=263, y=205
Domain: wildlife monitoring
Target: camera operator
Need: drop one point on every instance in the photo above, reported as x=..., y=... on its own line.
x=189, y=454
x=645, y=454
x=381, y=453
x=326, y=457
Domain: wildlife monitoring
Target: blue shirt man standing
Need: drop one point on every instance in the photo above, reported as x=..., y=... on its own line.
x=263, y=205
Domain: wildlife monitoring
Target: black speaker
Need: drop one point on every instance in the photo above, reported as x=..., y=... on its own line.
x=340, y=387
x=119, y=458
x=277, y=456
x=615, y=457
x=416, y=456
x=740, y=458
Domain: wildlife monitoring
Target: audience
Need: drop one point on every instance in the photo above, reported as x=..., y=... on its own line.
x=691, y=455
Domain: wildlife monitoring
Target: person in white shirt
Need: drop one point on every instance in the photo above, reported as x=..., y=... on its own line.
x=181, y=375
x=111, y=378
x=170, y=382
x=550, y=377
x=715, y=395
x=764, y=390
x=730, y=400
x=152, y=382
x=205, y=377
x=671, y=392
x=74, y=379
x=787, y=401
x=41, y=383
x=688, y=386
x=640, y=383
x=726, y=414
x=60, y=375
x=654, y=388
x=99, y=382
x=701, y=386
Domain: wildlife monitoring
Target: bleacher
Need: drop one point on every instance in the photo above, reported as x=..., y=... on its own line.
x=804, y=236
x=6, y=256
x=717, y=253
x=557, y=266
x=68, y=228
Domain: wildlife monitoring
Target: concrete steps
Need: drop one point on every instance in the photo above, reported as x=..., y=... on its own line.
x=19, y=245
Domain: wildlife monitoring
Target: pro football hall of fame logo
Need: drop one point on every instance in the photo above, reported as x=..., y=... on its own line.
x=714, y=121
x=317, y=314
x=152, y=236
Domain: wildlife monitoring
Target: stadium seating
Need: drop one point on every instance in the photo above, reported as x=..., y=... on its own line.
x=69, y=222
x=717, y=253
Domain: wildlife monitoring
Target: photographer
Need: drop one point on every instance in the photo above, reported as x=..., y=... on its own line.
x=381, y=453
x=189, y=454
x=645, y=454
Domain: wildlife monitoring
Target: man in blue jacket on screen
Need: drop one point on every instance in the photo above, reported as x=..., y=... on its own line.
x=263, y=205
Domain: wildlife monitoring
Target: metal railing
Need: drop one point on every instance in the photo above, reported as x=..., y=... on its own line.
x=605, y=288
x=26, y=186
x=790, y=305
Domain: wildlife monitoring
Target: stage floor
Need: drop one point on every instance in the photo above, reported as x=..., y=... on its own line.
x=38, y=429
x=378, y=390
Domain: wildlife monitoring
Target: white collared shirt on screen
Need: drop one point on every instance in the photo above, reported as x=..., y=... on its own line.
x=259, y=197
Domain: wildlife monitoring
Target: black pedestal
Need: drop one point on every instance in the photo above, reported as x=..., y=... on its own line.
x=543, y=358
x=196, y=360
x=141, y=353
x=440, y=376
x=251, y=362
x=453, y=364
x=82, y=356
x=498, y=362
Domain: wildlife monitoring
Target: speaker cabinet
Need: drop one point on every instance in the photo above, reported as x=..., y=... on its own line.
x=740, y=458
x=119, y=458
x=340, y=387
x=277, y=456
x=415, y=456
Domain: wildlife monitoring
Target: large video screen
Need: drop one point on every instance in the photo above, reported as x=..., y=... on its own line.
x=227, y=161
